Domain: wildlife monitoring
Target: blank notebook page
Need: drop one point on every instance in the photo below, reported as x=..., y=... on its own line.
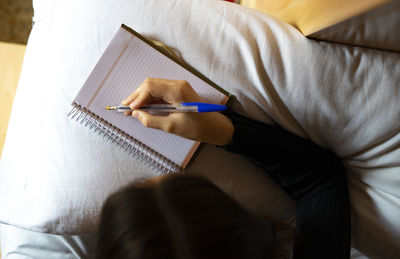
x=125, y=64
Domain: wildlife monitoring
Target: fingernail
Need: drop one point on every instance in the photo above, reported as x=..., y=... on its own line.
x=135, y=114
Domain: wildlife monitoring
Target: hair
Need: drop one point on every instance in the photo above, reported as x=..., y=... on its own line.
x=182, y=216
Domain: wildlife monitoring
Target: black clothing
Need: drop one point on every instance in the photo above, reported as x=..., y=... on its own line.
x=311, y=175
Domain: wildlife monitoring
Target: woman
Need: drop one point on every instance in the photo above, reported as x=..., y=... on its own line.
x=188, y=217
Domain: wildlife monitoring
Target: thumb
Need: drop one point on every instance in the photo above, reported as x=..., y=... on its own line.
x=153, y=121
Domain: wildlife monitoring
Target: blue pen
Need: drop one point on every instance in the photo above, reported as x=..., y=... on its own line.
x=183, y=107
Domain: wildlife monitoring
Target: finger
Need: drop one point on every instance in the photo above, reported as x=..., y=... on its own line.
x=144, y=96
x=171, y=91
x=152, y=90
x=157, y=101
x=153, y=121
x=128, y=100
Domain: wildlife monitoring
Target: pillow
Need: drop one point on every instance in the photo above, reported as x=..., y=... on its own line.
x=309, y=16
x=362, y=23
x=55, y=174
x=374, y=28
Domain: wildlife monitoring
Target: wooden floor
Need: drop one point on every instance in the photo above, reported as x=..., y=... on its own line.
x=11, y=57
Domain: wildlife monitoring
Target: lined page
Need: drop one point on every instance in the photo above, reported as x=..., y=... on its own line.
x=125, y=64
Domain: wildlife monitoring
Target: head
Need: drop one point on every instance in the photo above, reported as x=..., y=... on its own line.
x=180, y=216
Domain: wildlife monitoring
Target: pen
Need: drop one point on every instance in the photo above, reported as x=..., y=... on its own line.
x=183, y=107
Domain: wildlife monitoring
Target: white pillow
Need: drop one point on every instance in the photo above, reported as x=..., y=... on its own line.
x=56, y=174
x=376, y=28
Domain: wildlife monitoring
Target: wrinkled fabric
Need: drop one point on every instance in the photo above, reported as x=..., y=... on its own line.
x=55, y=174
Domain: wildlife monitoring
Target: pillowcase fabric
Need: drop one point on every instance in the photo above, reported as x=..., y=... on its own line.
x=55, y=174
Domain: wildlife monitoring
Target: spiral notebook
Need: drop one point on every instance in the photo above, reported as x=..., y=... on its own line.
x=127, y=61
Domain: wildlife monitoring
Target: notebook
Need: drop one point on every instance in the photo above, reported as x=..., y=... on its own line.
x=128, y=60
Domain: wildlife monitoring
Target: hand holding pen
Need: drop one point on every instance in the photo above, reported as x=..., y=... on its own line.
x=211, y=127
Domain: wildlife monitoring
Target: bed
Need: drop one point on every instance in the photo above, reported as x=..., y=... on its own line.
x=55, y=174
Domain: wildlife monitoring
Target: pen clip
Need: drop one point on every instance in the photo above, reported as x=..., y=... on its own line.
x=206, y=107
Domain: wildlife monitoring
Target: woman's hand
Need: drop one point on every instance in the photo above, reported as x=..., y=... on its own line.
x=210, y=127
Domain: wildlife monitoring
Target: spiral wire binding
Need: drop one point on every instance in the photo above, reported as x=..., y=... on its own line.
x=135, y=148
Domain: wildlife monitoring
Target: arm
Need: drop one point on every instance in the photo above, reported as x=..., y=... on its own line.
x=311, y=175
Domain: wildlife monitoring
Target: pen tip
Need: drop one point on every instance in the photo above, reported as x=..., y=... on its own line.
x=109, y=108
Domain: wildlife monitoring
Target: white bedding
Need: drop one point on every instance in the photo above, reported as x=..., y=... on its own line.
x=23, y=244
x=55, y=174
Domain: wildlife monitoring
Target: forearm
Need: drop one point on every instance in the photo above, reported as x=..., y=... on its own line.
x=297, y=164
x=311, y=175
